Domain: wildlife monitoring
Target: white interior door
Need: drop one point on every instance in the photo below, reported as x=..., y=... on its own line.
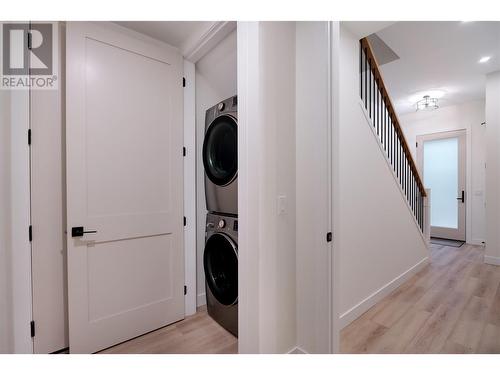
x=442, y=161
x=124, y=181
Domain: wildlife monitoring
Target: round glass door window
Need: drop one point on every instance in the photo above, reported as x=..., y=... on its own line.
x=220, y=150
x=220, y=261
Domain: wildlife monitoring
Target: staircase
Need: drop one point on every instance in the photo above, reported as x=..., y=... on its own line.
x=386, y=126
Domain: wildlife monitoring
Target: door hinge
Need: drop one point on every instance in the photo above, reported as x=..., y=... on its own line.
x=184, y=151
x=32, y=328
x=185, y=221
x=29, y=137
x=30, y=40
x=416, y=144
x=329, y=237
x=30, y=233
x=185, y=290
x=183, y=81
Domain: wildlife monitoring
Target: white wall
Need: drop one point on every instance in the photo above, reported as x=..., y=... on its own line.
x=379, y=242
x=492, y=255
x=267, y=268
x=215, y=81
x=312, y=187
x=277, y=288
x=468, y=116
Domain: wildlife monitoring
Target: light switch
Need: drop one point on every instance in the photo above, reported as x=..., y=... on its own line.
x=281, y=205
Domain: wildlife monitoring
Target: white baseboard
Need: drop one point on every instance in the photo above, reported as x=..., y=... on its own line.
x=201, y=300
x=492, y=260
x=297, y=350
x=355, y=312
x=476, y=241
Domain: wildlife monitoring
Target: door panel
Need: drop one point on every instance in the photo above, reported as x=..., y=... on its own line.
x=116, y=287
x=442, y=161
x=124, y=172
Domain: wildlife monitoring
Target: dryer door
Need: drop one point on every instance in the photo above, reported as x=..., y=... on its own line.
x=220, y=150
x=220, y=261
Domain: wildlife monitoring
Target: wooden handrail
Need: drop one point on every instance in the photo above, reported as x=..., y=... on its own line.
x=365, y=45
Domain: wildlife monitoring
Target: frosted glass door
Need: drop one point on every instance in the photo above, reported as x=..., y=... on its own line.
x=441, y=176
x=443, y=165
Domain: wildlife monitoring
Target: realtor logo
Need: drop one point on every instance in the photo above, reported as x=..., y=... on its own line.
x=28, y=56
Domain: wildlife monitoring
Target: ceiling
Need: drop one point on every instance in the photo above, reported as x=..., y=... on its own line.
x=360, y=29
x=180, y=34
x=439, y=56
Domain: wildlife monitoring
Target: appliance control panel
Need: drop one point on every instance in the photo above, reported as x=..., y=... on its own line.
x=220, y=223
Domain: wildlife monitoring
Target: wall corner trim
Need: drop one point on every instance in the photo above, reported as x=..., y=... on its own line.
x=356, y=311
x=217, y=32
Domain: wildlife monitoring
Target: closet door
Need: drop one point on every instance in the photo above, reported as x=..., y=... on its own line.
x=124, y=185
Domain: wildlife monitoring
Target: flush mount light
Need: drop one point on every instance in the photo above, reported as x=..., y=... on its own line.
x=484, y=59
x=433, y=93
x=427, y=104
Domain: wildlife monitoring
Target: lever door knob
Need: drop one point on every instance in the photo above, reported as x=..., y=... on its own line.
x=79, y=231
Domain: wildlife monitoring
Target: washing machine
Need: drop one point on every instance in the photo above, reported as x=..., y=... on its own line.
x=220, y=261
x=220, y=157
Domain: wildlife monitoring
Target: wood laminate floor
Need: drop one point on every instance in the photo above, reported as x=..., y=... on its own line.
x=197, y=334
x=450, y=306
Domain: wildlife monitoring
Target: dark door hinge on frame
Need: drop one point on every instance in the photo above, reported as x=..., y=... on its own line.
x=30, y=40
x=329, y=237
x=29, y=137
x=32, y=328
x=30, y=233
x=183, y=81
x=185, y=290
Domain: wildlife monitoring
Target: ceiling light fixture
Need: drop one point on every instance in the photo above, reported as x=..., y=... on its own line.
x=433, y=93
x=484, y=59
x=427, y=104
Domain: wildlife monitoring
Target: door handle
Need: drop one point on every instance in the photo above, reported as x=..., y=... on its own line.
x=79, y=231
x=462, y=198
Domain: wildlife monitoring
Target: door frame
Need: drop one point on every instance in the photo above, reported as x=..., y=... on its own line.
x=50, y=313
x=334, y=178
x=190, y=188
x=462, y=150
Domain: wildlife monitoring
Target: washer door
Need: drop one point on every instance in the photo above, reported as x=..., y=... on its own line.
x=220, y=150
x=220, y=260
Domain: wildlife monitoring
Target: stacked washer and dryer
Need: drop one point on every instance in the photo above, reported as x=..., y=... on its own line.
x=220, y=257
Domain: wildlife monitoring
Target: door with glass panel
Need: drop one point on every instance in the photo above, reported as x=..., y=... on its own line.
x=442, y=163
